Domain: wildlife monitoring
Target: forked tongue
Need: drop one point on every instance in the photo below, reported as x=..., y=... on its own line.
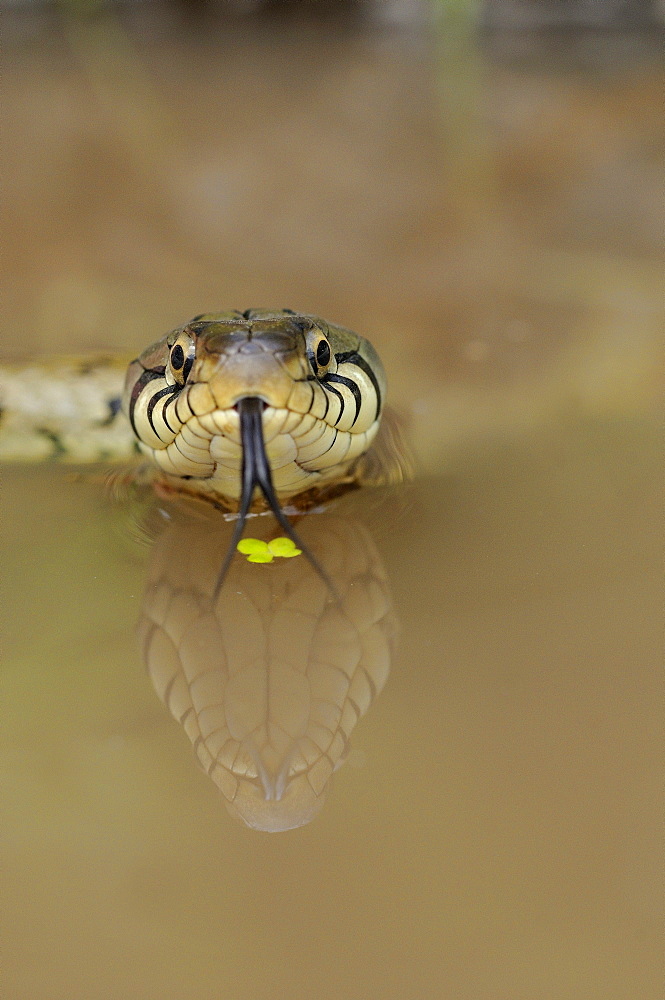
x=256, y=472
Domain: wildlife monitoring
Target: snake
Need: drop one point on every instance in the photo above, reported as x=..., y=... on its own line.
x=261, y=411
x=251, y=410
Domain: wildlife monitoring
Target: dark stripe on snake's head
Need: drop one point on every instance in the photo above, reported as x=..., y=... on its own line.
x=356, y=359
x=154, y=399
x=350, y=384
x=148, y=375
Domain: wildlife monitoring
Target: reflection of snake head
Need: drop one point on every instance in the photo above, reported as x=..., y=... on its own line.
x=270, y=679
x=319, y=388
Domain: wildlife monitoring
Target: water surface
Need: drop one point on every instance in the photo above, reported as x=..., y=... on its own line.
x=494, y=825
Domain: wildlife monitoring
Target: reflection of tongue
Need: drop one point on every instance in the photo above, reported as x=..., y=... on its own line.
x=256, y=472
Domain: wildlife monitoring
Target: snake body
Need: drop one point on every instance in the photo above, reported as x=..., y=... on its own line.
x=320, y=388
x=65, y=410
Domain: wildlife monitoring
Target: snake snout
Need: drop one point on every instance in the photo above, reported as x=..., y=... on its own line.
x=238, y=376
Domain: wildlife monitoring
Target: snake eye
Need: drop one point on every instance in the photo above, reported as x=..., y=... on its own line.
x=318, y=352
x=181, y=359
x=323, y=353
x=177, y=358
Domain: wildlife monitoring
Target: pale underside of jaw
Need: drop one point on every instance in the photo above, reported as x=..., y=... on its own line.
x=303, y=451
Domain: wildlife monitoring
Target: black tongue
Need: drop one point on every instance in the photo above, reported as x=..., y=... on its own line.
x=256, y=472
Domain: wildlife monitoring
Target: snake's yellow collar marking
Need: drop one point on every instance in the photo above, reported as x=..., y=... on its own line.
x=258, y=551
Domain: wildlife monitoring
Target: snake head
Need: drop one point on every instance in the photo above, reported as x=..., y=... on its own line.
x=276, y=402
x=321, y=388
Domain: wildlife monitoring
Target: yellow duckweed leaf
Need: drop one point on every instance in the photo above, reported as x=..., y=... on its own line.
x=252, y=546
x=283, y=547
x=258, y=551
x=260, y=557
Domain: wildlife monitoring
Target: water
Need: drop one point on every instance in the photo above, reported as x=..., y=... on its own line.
x=493, y=829
x=494, y=826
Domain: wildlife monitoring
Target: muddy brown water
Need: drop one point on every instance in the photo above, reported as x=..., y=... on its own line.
x=492, y=829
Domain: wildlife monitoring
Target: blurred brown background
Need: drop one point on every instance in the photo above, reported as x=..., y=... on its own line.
x=478, y=189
